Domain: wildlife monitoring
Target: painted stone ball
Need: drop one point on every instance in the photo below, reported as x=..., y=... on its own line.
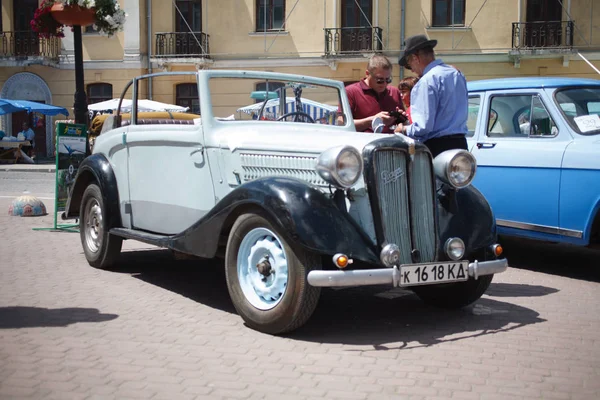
x=27, y=206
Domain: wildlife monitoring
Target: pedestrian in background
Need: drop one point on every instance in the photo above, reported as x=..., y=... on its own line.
x=29, y=135
x=405, y=86
x=439, y=100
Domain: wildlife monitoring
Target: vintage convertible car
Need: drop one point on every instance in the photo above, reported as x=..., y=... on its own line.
x=290, y=195
x=537, y=145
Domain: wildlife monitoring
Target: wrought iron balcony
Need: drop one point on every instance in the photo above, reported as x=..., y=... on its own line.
x=21, y=45
x=182, y=44
x=345, y=41
x=546, y=34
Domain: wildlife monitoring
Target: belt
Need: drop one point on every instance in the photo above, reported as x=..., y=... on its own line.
x=454, y=136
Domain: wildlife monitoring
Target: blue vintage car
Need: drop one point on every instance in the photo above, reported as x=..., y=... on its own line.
x=537, y=145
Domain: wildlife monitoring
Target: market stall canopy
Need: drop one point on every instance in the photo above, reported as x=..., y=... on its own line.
x=10, y=106
x=143, y=105
x=313, y=108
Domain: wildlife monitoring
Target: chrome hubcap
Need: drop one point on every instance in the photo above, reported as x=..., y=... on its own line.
x=262, y=268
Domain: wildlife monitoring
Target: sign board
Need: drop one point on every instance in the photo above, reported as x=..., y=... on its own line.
x=71, y=145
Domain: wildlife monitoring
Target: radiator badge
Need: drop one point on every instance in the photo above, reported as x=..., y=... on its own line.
x=389, y=177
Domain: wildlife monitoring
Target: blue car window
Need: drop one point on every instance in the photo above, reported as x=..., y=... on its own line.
x=509, y=113
x=579, y=103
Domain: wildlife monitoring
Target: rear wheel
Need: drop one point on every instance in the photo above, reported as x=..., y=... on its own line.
x=100, y=247
x=454, y=295
x=267, y=279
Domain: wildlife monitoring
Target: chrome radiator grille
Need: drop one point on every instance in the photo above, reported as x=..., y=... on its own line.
x=407, y=202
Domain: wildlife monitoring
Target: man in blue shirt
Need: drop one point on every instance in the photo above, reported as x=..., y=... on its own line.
x=439, y=100
x=29, y=135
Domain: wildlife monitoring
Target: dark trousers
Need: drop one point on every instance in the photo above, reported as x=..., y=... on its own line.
x=439, y=145
x=27, y=150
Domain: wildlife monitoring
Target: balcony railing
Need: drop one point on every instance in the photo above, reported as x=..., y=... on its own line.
x=340, y=41
x=182, y=44
x=546, y=34
x=24, y=44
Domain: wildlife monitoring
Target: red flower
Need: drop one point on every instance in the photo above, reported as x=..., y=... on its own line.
x=43, y=23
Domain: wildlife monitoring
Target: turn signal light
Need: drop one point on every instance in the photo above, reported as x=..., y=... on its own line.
x=341, y=261
x=497, y=250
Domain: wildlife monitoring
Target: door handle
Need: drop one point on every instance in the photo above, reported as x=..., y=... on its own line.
x=486, y=145
x=197, y=155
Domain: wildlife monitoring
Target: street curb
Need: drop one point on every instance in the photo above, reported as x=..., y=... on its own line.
x=39, y=168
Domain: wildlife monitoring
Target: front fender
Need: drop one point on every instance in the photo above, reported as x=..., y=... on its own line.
x=306, y=216
x=466, y=214
x=95, y=169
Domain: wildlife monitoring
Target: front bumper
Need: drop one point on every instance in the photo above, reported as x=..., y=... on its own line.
x=386, y=276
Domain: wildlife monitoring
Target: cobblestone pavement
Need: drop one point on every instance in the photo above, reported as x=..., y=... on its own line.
x=156, y=328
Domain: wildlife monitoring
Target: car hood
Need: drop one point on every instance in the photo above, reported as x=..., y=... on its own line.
x=297, y=138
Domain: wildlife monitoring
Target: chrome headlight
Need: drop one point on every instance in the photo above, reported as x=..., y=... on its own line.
x=340, y=166
x=455, y=167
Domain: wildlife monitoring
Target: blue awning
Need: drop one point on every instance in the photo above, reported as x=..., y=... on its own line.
x=10, y=106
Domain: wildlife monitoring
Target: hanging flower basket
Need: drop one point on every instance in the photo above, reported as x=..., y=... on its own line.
x=73, y=14
x=52, y=15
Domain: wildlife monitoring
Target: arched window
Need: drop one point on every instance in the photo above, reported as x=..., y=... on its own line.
x=187, y=96
x=97, y=92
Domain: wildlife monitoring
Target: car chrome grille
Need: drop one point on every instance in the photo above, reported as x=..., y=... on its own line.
x=406, y=202
x=423, y=207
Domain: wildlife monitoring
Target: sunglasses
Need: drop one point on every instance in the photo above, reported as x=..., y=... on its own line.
x=381, y=80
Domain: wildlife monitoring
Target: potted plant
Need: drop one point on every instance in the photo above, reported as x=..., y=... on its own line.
x=52, y=15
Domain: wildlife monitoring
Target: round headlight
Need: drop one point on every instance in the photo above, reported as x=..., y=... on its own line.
x=455, y=248
x=340, y=166
x=455, y=167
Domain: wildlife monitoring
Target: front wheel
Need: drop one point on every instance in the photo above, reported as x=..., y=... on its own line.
x=100, y=247
x=454, y=295
x=267, y=279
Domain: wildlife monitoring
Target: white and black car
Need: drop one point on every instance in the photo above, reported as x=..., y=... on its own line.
x=294, y=199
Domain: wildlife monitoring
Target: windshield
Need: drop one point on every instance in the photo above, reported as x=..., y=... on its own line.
x=581, y=108
x=246, y=99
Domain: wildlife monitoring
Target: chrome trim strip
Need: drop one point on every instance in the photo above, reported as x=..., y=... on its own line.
x=540, y=228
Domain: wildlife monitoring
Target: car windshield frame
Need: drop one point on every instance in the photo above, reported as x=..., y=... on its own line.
x=569, y=119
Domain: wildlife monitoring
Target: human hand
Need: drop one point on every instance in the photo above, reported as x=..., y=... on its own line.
x=400, y=116
x=386, y=118
x=399, y=129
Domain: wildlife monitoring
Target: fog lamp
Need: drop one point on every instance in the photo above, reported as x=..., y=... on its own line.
x=455, y=248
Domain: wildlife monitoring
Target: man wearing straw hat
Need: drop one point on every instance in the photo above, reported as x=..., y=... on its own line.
x=439, y=100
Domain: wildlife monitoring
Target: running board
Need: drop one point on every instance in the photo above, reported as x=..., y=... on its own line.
x=145, y=237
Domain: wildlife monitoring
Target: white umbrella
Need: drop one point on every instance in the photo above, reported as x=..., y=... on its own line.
x=143, y=105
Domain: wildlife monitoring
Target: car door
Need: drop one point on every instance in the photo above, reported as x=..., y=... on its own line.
x=169, y=178
x=519, y=152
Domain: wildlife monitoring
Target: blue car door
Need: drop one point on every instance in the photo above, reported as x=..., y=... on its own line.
x=519, y=151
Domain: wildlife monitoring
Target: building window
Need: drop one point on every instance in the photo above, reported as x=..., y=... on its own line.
x=442, y=12
x=270, y=15
x=273, y=86
x=191, y=10
x=187, y=96
x=97, y=92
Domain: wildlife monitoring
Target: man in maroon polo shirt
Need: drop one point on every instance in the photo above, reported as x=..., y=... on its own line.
x=372, y=97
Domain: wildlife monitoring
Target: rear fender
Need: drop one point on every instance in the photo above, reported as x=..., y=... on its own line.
x=95, y=169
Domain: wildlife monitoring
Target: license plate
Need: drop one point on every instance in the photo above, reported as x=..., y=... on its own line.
x=428, y=274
